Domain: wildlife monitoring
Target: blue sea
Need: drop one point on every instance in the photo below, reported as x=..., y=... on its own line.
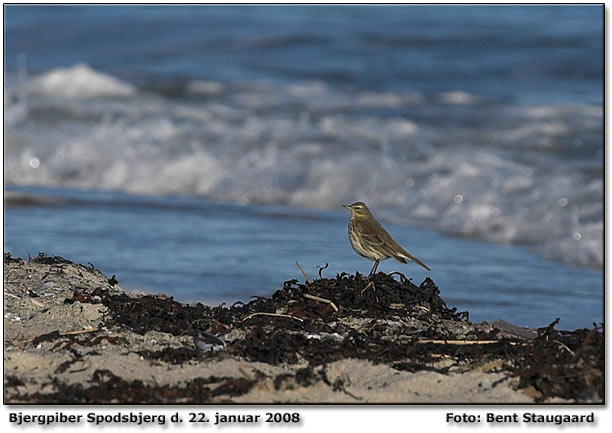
x=200, y=151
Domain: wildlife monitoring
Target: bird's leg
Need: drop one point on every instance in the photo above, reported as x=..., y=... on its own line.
x=374, y=268
x=371, y=282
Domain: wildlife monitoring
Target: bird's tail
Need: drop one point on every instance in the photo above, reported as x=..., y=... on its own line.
x=415, y=260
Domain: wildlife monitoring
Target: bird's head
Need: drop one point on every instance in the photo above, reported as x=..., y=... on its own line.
x=358, y=209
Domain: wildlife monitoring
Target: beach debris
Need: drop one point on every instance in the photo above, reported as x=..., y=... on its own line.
x=370, y=284
x=271, y=314
x=523, y=332
x=9, y=259
x=319, y=299
x=306, y=277
x=321, y=269
x=107, y=387
x=405, y=326
x=44, y=259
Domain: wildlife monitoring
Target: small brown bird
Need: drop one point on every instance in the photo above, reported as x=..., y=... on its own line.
x=370, y=240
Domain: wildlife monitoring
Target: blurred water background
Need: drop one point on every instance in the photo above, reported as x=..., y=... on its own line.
x=201, y=150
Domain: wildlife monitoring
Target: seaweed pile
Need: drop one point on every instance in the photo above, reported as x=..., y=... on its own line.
x=106, y=387
x=384, y=319
x=379, y=319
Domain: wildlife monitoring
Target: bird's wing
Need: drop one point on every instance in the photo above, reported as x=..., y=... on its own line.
x=377, y=235
x=373, y=232
x=374, y=239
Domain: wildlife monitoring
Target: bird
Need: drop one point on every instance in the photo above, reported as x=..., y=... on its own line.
x=370, y=240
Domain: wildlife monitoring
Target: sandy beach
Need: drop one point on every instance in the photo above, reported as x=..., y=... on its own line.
x=72, y=335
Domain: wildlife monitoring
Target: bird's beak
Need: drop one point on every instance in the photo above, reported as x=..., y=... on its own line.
x=348, y=206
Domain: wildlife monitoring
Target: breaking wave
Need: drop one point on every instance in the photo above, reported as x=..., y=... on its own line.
x=455, y=161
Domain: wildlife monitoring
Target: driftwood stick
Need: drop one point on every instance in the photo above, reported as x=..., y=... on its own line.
x=370, y=284
x=308, y=280
x=560, y=343
x=272, y=314
x=462, y=342
x=327, y=301
x=80, y=331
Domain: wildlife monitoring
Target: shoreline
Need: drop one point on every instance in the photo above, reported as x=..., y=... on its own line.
x=72, y=335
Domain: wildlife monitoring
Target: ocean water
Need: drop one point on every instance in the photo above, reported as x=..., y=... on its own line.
x=215, y=252
x=474, y=132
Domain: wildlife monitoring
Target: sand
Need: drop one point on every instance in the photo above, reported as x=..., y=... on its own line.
x=57, y=351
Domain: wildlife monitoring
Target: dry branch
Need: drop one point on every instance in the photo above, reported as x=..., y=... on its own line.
x=316, y=298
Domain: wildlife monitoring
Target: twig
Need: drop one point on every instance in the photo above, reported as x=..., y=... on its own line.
x=565, y=347
x=371, y=283
x=316, y=298
x=81, y=331
x=271, y=314
x=421, y=308
x=308, y=280
x=463, y=342
x=321, y=269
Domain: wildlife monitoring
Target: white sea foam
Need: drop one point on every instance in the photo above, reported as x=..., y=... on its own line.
x=497, y=172
x=79, y=81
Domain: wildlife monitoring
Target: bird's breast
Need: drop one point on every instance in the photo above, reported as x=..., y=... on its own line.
x=360, y=245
